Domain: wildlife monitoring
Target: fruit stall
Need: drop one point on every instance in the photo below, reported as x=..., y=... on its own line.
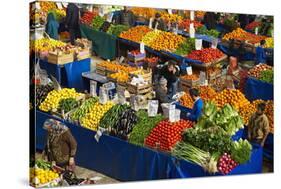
x=112, y=109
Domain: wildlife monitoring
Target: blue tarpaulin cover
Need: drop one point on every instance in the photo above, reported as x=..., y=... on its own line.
x=256, y=89
x=70, y=74
x=127, y=162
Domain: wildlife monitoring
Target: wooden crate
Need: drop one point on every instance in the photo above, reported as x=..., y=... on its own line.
x=83, y=54
x=139, y=89
x=147, y=76
x=60, y=59
x=100, y=70
x=136, y=58
x=189, y=83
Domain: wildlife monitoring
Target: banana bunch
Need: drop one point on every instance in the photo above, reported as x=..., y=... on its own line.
x=92, y=118
x=55, y=96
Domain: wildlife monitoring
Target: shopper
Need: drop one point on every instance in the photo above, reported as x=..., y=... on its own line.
x=72, y=21
x=243, y=20
x=126, y=17
x=260, y=53
x=171, y=72
x=161, y=91
x=158, y=23
x=61, y=145
x=197, y=107
x=258, y=127
x=52, y=26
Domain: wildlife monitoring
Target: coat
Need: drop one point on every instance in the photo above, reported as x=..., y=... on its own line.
x=72, y=16
x=61, y=148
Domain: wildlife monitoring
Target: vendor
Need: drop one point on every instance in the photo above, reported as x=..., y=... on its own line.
x=170, y=71
x=61, y=145
x=72, y=21
x=52, y=26
x=258, y=127
x=197, y=107
x=126, y=17
x=161, y=91
x=158, y=23
x=260, y=53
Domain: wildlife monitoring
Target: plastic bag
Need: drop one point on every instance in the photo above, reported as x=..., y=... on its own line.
x=152, y=108
x=93, y=88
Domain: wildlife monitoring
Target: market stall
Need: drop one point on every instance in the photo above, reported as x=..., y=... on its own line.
x=122, y=129
x=108, y=157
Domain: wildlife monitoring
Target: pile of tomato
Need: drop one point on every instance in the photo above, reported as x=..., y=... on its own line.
x=206, y=55
x=88, y=18
x=166, y=134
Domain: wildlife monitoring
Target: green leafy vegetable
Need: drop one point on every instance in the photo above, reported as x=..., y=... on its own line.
x=117, y=29
x=97, y=22
x=143, y=127
x=186, y=47
x=241, y=151
x=267, y=76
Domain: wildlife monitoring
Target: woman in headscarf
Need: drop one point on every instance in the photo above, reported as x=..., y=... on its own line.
x=52, y=26
x=61, y=145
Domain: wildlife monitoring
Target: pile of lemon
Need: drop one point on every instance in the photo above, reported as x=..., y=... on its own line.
x=40, y=176
x=92, y=118
x=55, y=96
x=45, y=44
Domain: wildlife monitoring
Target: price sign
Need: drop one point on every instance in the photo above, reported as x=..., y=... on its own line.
x=191, y=31
x=189, y=70
x=256, y=30
x=150, y=22
x=110, y=17
x=202, y=77
x=198, y=44
x=93, y=88
x=121, y=59
x=170, y=11
x=214, y=43
x=59, y=5
x=152, y=108
x=191, y=15
x=142, y=47
x=98, y=135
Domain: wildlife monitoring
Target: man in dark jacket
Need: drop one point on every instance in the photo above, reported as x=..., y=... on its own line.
x=72, y=21
x=210, y=20
x=126, y=17
x=171, y=72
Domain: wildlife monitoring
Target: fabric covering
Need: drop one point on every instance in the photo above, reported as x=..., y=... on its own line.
x=103, y=44
x=74, y=72
x=126, y=162
x=52, y=26
x=69, y=75
x=256, y=89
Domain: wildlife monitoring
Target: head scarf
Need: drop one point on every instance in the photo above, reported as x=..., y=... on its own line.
x=57, y=128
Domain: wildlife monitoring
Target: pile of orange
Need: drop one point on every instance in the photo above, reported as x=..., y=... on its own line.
x=115, y=67
x=186, y=100
x=207, y=92
x=136, y=33
x=171, y=17
x=144, y=12
x=121, y=77
x=240, y=34
x=167, y=41
x=233, y=97
x=246, y=112
x=192, y=77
